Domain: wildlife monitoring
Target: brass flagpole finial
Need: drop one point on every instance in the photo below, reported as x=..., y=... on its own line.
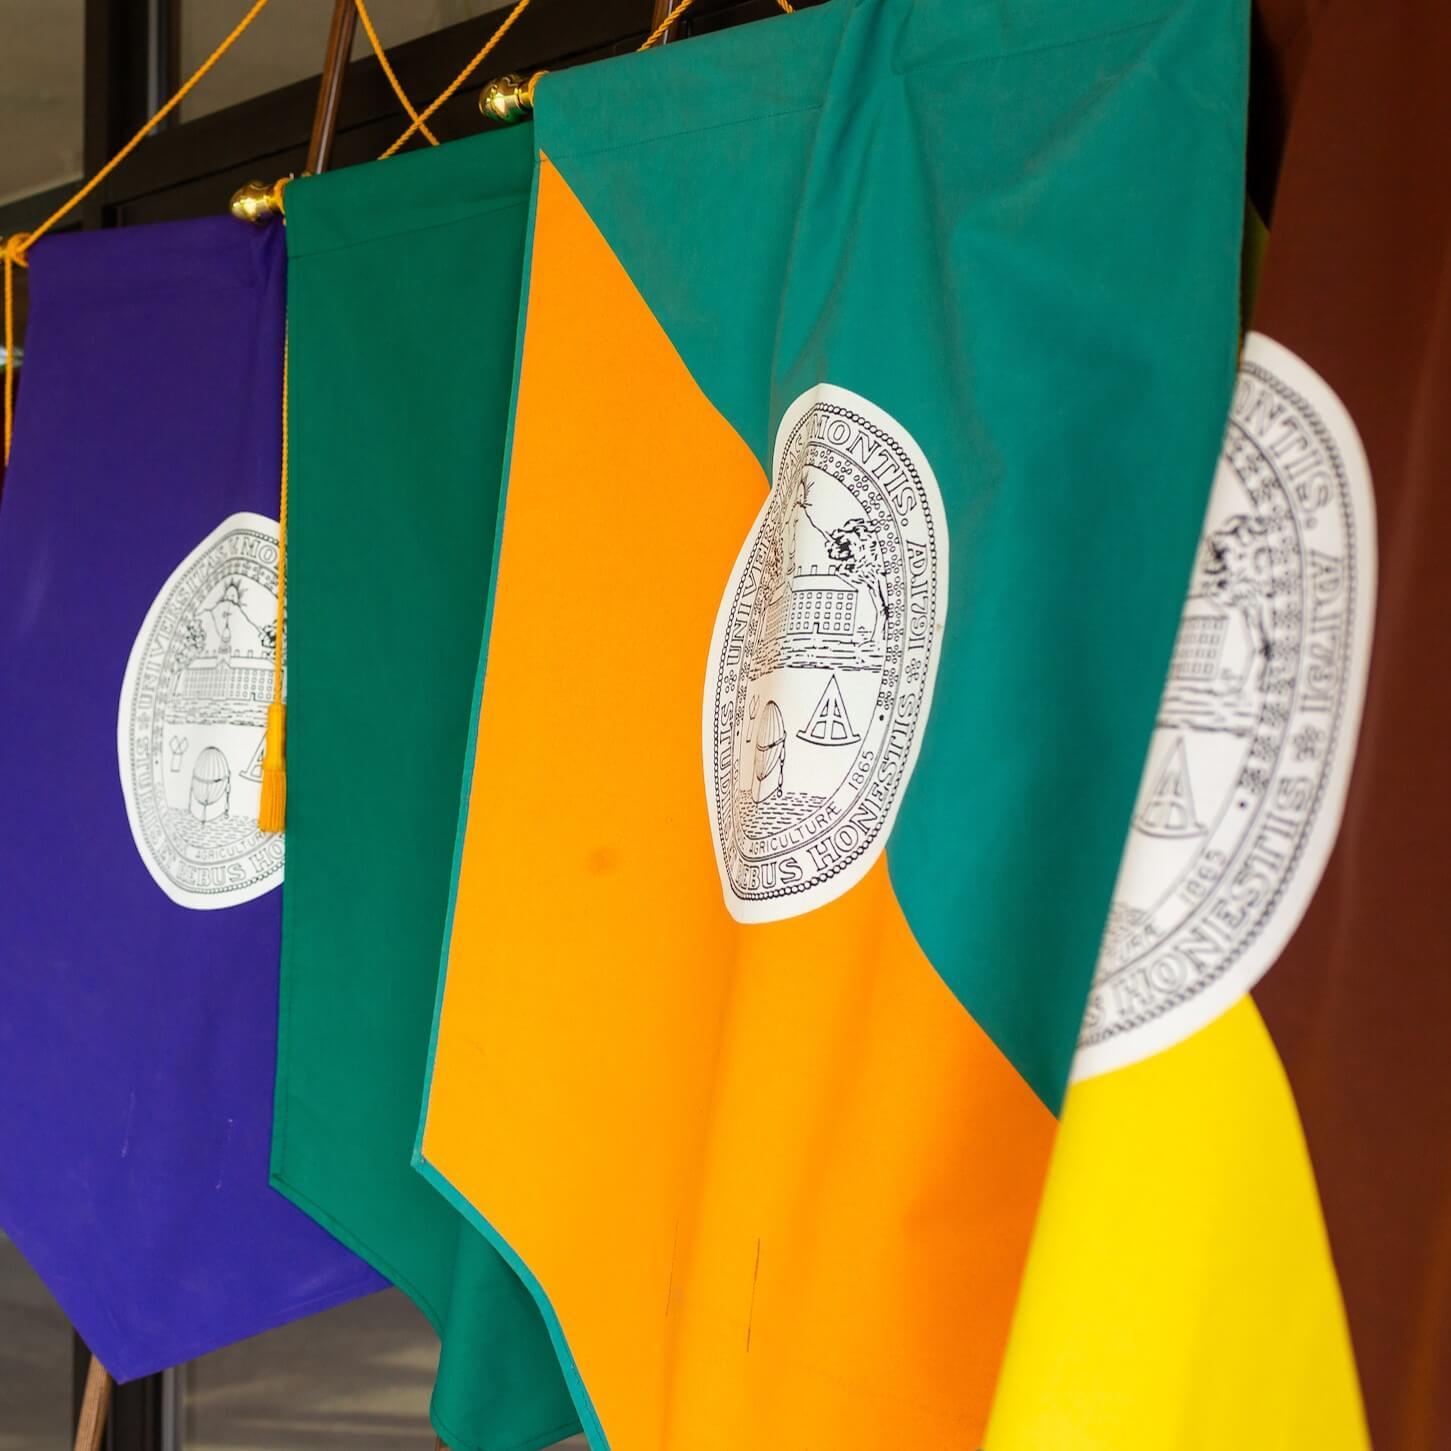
x=257, y=202
x=509, y=98
x=254, y=203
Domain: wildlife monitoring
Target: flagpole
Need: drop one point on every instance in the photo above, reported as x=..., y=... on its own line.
x=330, y=87
x=95, y=1405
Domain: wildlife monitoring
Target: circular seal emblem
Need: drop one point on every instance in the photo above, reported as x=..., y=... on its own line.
x=823, y=658
x=193, y=717
x=1245, y=782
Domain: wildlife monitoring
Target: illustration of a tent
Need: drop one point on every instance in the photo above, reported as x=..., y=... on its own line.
x=252, y=771
x=829, y=724
x=1169, y=810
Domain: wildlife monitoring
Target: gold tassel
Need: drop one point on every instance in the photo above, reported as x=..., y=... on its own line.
x=273, y=811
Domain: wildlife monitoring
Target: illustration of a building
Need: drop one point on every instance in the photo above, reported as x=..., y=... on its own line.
x=813, y=604
x=1215, y=650
x=1199, y=648
x=227, y=677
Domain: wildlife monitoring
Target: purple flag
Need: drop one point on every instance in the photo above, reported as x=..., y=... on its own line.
x=139, y=903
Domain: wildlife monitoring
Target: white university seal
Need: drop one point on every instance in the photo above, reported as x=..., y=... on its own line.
x=1245, y=781
x=823, y=657
x=193, y=716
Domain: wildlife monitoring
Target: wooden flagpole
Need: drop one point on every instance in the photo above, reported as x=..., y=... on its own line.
x=95, y=1404
x=330, y=88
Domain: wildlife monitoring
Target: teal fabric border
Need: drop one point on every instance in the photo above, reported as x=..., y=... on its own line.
x=589, y=1420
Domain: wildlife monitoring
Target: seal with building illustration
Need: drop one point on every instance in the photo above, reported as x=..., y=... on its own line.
x=193, y=716
x=823, y=658
x=1246, y=776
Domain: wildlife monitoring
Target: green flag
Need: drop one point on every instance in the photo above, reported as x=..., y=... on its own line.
x=404, y=297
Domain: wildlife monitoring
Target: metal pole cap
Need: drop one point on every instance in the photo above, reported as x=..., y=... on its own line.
x=509, y=98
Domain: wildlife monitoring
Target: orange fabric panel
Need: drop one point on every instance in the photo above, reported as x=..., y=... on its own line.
x=774, y=1180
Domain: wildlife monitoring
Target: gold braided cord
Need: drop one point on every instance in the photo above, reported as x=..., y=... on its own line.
x=281, y=538
x=393, y=80
x=676, y=11
x=526, y=95
x=187, y=87
x=460, y=78
x=19, y=243
x=680, y=8
x=14, y=249
x=272, y=808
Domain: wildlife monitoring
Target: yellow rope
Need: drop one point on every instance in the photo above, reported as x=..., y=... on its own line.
x=141, y=135
x=272, y=810
x=19, y=243
x=393, y=80
x=679, y=9
x=462, y=76
x=281, y=538
x=14, y=249
x=676, y=12
x=526, y=93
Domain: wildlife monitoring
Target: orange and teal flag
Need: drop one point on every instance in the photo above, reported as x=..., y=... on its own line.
x=1244, y=1234
x=873, y=366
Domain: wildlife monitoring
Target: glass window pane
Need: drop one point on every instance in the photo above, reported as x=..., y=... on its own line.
x=35, y=1359
x=357, y=1378
x=286, y=43
x=41, y=72
x=400, y=20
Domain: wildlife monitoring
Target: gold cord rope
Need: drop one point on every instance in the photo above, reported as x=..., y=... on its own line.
x=281, y=534
x=140, y=136
x=19, y=243
x=681, y=7
x=393, y=80
x=676, y=11
x=272, y=809
x=459, y=79
x=14, y=251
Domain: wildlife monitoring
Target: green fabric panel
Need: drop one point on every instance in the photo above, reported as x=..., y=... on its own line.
x=403, y=306
x=1018, y=233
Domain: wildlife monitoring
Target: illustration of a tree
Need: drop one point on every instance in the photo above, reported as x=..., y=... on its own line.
x=855, y=555
x=852, y=553
x=192, y=638
x=1237, y=574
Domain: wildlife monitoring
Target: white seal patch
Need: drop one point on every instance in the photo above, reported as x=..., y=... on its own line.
x=1245, y=782
x=823, y=658
x=193, y=717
